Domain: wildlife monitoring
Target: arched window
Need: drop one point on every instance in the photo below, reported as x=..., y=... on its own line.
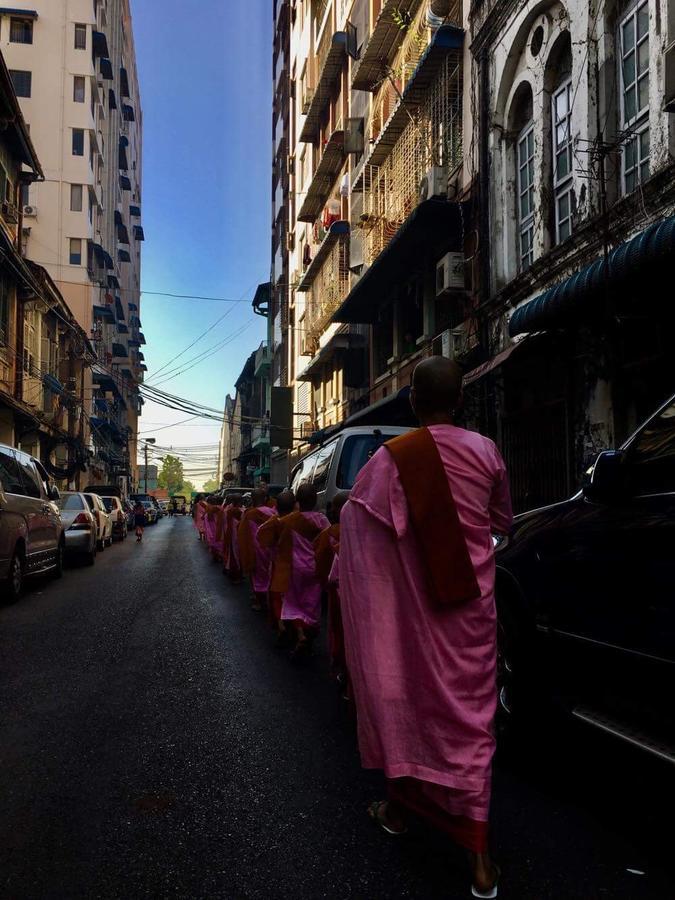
x=633, y=42
x=523, y=127
x=559, y=76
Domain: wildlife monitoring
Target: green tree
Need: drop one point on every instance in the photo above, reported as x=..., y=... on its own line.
x=187, y=489
x=211, y=485
x=171, y=475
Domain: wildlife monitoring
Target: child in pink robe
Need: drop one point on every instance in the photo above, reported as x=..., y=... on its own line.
x=424, y=675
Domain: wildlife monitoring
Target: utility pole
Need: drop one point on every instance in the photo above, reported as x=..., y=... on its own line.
x=148, y=441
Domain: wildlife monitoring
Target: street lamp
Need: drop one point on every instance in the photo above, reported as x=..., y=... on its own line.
x=147, y=441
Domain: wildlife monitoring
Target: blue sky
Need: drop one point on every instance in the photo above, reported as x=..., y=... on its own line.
x=206, y=85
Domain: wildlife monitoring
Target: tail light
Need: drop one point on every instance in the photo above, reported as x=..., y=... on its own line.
x=81, y=521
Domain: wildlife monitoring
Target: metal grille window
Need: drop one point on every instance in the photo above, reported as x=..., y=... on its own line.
x=22, y=81
x=525, y=153
x=562, y=160
x=21, y=31
x=634, y=40
x=80, y=37
x=79, y=89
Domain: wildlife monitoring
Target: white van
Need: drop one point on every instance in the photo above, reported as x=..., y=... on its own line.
x=333, y=466
x=31, y=531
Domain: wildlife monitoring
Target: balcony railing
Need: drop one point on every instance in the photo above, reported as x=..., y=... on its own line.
x=327, y=285
x=327, y=170
x=324, y=72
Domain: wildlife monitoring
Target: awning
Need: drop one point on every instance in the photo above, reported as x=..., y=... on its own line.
x=393, y=410
x=139, y=234
x=123, y=255
x=100, y=44
x=128, y=113
x=133, y=343
x=324, y=177
x=108, y=260
x=124, y=82
x=106, y=69
x=20, y=13
x=141, y=338
x=627, y=273
x=141, y=356
x=135, y=212
x=133, y=307
x=125, y=182
x=329, y=74
x=490, y=365
x=104, y=312
x=53, y=384
x=119, y=309
x=112, y=99
x=122, y=154
x=103, y=379
x=325, y=354
x=113, y=281
x=336, y=230
x=433, y=228
x=119, y=351
x=101, y=404
x=123, y=237
x=383, y=42
x=122, y=328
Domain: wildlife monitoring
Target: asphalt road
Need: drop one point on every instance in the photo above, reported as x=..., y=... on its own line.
x=154, y=744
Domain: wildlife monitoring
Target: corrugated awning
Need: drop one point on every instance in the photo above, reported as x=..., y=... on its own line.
x=104, y=312
x=100, y=44
x=112, y=99
x=124, y=82
x=122, y=328
x=139, y=234
x=119, y=351
x=113, y=281
x=128, y=113
x=125, y=182
x=135, y=212
x=123, y=236
x=19, y=13
x=629, y=270
x=123, y=255
x=133, y=307
x=122, y=155
x=434, y=227
x=106, y=69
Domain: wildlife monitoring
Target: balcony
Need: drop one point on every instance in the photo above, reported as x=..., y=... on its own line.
x=385, y=39
x=335, y=234
x=326, y=282
x=323, y=179
x=263, y=361
x=260, y=437
x=328, y=64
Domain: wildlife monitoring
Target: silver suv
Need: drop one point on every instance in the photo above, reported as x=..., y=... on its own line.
x=31, y=532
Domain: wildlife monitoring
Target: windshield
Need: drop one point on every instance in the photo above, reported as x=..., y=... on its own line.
x=70, y=501
x=356, y=452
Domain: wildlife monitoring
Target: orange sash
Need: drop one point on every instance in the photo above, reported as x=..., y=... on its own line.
x=247, y=555
x=324, y=552
x=283, y=562
x=231, y=513
x=434, y=518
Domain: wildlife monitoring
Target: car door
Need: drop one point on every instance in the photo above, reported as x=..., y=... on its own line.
x=53, y=522
x=610, y=575
x=37, y=511
x=96, y=513
x=12, y=512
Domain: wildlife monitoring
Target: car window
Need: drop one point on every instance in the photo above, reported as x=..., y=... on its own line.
x=44, y=477
x=29, y=476
x=10, y=474
x=356, y=451
x=70, y=501
x=322, y=466
x=652, y=456
x=90, y=501
x=109, y=503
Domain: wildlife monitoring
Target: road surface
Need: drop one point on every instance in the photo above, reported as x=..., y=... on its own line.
x=154, y=743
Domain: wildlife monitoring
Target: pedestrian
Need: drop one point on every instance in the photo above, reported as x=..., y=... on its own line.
x=139, y=520
x=173, y=507
x=268, y=538
x=256, y=560
x=295, y=570
x=211, y=526
x=417, y=578
x=199, y=514
x=230, y=544
x=326, y=552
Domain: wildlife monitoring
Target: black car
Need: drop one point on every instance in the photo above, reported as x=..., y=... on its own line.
x=586, y=597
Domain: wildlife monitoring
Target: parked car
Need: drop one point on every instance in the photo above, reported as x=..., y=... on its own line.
x=116, y=512
x=80, y=527
x=150, y=512
x=158, y=508
x=181, y=504
x=586, y=598
x=333, y=466
x=103, y=521
x=31, y=531
x=128, y=507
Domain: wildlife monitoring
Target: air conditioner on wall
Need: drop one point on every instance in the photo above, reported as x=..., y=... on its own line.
x=434, y=184
x=450, y=274
x=451, y=343
x=30, y=211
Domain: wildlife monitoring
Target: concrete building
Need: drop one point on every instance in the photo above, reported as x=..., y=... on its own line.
x=73, y=65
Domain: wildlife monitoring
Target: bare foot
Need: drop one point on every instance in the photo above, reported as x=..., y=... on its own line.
x=485, y=873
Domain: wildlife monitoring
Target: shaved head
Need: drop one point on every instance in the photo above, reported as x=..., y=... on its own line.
x=259, y=497
x=285, y=503
x=306, y=497
x=339, y=501
x=436, y=388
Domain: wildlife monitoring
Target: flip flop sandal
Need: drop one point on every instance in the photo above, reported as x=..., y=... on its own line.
x=487, y=895
x=375, y=815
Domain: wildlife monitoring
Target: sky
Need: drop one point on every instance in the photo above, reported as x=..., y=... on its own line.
x=205, y=70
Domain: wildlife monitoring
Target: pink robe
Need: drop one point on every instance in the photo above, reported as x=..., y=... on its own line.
x=199, y=518
x=302, y=600
x=423, y=676
x=209, y=527
x=263, y=556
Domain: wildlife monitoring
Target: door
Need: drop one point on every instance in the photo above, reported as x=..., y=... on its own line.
x=610, y=571
x=40, y=540
x=53, y=517
x=11, y=508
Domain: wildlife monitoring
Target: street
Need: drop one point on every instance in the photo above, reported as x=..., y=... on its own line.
x=154, y=743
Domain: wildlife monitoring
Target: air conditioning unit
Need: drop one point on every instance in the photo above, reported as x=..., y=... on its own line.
x=30, y=211
x=450, y=274
x=10, y=213
x=434, y=184
x=451, y=343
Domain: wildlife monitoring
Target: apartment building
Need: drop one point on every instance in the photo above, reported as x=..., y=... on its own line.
x=74, y=69
x=44, y=353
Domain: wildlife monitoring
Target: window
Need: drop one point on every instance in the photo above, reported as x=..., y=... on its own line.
x=76, y=198
x=356, y=451
x=29, y=477
x=525, y=153
x=22, y=82
x=79, y=89
x=4, y=310
x=70, y=501
x=303, y=472
x=78, y=142
x=25, y=195
x=80, y=37
x=562, y=160
x=634, y=42
x=21, y=31
x=322, y=468
x=75, y=256
x=10, y=476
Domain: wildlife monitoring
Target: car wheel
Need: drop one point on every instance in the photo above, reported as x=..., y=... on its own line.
x=14, y=582
x=91, y=557
x=57, y=571
x=101, y=545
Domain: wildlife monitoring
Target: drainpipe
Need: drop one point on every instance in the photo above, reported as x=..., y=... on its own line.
x=484, y=220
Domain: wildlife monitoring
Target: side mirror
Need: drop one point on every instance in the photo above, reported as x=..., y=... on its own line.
x=605, y=482
x=53, y=493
